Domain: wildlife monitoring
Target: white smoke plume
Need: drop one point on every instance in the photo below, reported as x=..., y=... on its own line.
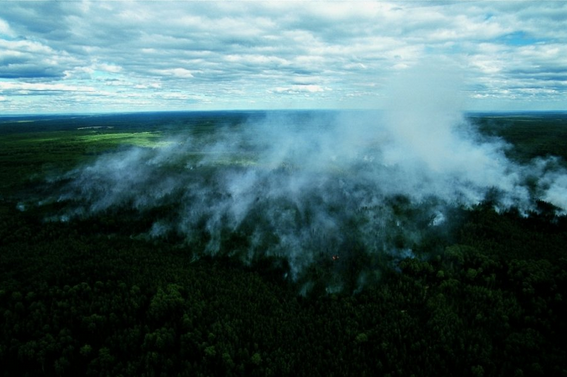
x=320, y=186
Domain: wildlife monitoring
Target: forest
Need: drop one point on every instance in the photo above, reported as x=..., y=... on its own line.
x=129, y=275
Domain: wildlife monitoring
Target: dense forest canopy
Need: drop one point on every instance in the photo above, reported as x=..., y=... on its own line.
x=304, y=243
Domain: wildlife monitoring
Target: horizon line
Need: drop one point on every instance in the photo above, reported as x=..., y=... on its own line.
x=79, y=113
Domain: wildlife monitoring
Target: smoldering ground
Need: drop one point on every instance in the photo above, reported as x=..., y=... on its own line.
x=345, y=189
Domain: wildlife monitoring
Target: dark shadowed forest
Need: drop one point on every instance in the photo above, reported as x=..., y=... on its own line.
x=164, y=244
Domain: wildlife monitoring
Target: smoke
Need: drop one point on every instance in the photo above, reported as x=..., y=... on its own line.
x=432, y=143
x=344, y=190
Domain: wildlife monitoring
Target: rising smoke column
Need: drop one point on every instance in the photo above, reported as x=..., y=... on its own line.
x=434, y=144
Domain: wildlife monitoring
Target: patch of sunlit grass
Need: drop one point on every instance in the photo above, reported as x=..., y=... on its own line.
x=139, y=139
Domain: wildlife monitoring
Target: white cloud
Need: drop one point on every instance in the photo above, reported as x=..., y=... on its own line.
x=10, y=86
x=109, y=68
x=5, y=29
x=175, y=72
x=152, y=85
x=301, y=89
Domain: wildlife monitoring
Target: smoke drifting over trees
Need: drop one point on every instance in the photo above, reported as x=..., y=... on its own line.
x=306, y=187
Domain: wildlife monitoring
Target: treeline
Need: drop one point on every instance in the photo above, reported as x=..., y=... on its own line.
x=84, y=298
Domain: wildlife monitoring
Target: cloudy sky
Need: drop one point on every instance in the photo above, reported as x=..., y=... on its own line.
x=122, y=55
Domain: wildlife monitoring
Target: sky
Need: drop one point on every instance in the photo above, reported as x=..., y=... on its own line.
x=89, y=56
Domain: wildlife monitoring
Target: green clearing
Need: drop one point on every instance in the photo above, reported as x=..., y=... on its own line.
x=34, y=147
x=30, y=157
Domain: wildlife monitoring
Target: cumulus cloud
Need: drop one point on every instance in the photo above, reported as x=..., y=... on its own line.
x=310, y=88
x=21, y=58
x=39, y=87
x=5, y=29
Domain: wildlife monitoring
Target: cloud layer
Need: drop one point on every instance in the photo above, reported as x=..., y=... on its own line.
x=73, y=56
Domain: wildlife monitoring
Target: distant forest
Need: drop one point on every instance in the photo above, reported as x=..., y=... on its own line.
x=482, y=294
